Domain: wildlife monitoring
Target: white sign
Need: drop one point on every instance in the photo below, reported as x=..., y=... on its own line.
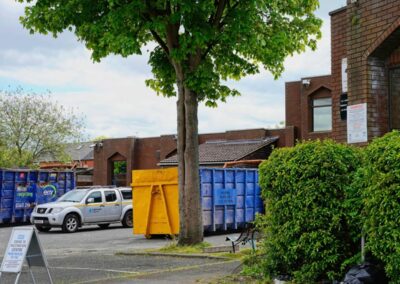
x=23, y=245
x=344, y=75
x=357, y=131
x=16, y=250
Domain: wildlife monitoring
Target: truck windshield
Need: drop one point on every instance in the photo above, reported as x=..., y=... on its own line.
x=73, y=196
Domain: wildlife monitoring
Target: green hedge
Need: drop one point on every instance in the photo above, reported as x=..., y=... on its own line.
x=307, y=225
x=379, y=180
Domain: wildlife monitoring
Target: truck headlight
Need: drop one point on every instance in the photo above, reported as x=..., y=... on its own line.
x=56, y=210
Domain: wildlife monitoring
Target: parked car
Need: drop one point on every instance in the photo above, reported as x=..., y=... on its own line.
x=86, y=206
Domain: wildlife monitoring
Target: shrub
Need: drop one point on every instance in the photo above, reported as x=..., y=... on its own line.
x=306, y=225
x=381, y=198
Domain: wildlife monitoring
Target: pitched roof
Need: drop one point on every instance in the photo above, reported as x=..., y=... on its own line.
x=80, y=151
x=221, y=151
x=77, y=151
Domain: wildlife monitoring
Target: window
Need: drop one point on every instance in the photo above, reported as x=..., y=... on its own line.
x=395, y=98
x=73, y=196
x=322, y=114
x=126, y=194
x=96, y=196
x=111, y=196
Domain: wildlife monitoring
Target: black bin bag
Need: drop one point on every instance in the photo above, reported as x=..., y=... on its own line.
x=365, y=273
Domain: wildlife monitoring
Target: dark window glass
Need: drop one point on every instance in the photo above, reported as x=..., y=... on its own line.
x=127, y=194
x=96, y=196
x=322, y=114
x=395, y=98
x=111, y=196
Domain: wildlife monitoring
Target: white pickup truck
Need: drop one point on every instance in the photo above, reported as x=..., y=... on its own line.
x=87, y=206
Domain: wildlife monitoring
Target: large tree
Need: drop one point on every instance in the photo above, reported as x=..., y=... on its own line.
x=199, y=45
x=32, y=125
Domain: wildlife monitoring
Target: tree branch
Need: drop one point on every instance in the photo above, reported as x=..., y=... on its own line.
x=230, y=9
x=160, y=41
x=219, y=12
x=153, y=12
x=220, y=24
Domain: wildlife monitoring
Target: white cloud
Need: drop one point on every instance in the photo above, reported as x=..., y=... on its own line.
x=113, y=96
x=311, y=62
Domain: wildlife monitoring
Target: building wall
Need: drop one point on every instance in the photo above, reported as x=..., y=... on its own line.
x=370, y=23
x=105, y=152
x=299, y=105
x=338, y=47
x=73, y=164
x=293, y=106
x=146, y=153
x=367, y=33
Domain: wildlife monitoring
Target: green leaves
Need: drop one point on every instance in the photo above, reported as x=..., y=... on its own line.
x=379, y=185
x=32, y=125
x=213, y=41
x=306, y=220
x=320, y=198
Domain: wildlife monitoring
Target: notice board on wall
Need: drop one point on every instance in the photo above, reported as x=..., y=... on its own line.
x=357, y=131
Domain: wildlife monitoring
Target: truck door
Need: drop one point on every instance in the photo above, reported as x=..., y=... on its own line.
x=113, y=205
x=94, y=209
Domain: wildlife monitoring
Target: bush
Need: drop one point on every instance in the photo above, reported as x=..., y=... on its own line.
x=306, y=225
x=381, y=197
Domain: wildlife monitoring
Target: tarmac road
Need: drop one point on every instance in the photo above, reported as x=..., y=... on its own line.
x=91, y=255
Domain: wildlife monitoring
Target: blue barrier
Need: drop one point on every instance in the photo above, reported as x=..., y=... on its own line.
x=24, y=195
x=230, y=198
x=7, y=188
x=22, y=189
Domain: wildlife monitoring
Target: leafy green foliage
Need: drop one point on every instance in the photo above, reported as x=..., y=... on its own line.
x=119, y=167
x=380, y=178
x=306, y=225
x=199, y=46
x=212, y=41
x=10, y=157
x=31, y=125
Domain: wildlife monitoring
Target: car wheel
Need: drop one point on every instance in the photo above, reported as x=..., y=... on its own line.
x=127, y=221
x=104, y=226
x=42, y=229
x=70, y=224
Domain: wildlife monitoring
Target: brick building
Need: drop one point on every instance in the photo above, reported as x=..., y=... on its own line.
x=215, y=149
x=81, y=155
x=360, y=100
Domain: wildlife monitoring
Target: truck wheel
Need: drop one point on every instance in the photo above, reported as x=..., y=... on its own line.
x=127, y=221
x=103, y=226
x=70, y=224
x=42, y=229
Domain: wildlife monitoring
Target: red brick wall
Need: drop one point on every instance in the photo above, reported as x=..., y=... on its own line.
x=367, y=33
x=338, y=47
x=103, y=154
x=146, y=153
x=234, y=135
x=298, y=106
x=370, y=24
x=292, y=106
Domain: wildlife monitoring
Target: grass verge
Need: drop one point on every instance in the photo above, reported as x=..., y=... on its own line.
x=174, y=248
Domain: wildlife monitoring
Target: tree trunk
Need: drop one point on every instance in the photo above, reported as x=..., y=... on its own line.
x=191, y=221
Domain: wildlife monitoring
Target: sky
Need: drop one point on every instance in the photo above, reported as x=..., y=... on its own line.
x=112, y=95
